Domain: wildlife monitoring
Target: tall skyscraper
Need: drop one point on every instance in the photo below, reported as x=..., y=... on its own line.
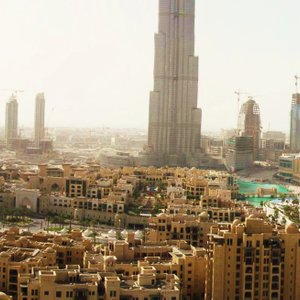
x=295, y=123
x=39, y=122
x=174, y=119
x=11, y=118
x=249, y=124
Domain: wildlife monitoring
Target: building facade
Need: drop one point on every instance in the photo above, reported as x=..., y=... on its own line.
x=295, y=123
x=174, y=119
x=11, y=118
x=289, y=168
x=249, y=124
x=251, y=262
x=239, y=154
x=39, y=121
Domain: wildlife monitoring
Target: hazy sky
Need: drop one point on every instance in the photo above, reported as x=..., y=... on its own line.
x=94, y=59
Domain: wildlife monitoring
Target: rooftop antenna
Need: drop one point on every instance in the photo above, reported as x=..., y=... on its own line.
x=296, y=82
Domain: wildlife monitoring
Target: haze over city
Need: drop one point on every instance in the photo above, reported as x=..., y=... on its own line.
x=94, y=59
x=149, y=150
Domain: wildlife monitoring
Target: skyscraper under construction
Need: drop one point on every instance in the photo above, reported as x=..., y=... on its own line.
x=249, y=124
x=174, y=119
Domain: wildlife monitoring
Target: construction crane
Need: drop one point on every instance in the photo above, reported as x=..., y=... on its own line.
x=239, y=93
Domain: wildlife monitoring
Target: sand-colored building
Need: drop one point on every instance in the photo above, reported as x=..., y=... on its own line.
x=253, y=261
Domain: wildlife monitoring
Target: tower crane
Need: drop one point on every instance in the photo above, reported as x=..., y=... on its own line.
x=239, y=93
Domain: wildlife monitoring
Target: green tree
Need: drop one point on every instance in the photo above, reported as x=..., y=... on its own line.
x=276, y=214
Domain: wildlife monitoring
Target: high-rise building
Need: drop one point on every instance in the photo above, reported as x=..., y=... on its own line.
x=295, y=123
x=39, y=121
x=249, y=124
x=253, y=261
x=11, y=118
x=239, y=154
x=174, y=119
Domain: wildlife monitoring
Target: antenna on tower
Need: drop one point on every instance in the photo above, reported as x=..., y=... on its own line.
x=296, y=82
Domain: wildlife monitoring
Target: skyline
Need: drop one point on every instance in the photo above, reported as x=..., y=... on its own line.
x=78, y=59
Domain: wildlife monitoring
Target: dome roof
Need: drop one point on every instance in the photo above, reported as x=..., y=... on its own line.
x=4, y=254
x=236, y=222
x=23, y=240
x=204, y=215
x=112, y=233
x=291, y=228
x=110, y=259
x=87, y=233
x=124, y=233
x=252, y=216
x=138, y=234
x=3, y=296
x=49, y=250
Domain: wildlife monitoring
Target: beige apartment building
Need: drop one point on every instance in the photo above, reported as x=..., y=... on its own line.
x=74, y=283
x=189, y=228
x=253, y=261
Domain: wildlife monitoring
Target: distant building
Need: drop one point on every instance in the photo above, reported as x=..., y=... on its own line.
x=112, y=158
x=289, y=168
x=174, y=119
x=39, y=121
x=249, y=124
x=273, y=144
x=295, y=123
x=239, y=154
x=272, y=150
x=11, y=118
x=274, y=135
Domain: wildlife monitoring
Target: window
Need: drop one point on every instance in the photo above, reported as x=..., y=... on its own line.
x=113, y=293
x=46, y=293
x=58, y=294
